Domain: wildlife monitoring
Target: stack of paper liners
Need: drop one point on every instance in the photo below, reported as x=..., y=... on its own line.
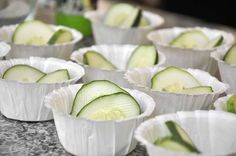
x=213, y=132
x=62, y=51
x=25, y=101
x=189, y=58
x=118, y=55
x=81, y=136
x=171, y=102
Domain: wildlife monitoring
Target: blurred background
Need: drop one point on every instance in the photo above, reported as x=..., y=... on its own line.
x=185, y=13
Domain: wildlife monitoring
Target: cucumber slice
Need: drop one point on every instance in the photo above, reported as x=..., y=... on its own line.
x=32, y=33
x=144, y=22
x=177, y=132
x=111, y=107
x=143, y=56
x=230, y=56
x=94, y=59
x=23, y=73
x=133, y=19
x=190, y=39
x=231, y=104
x=170, y=143
x=117, y=14
x=173, y=79
x=57, y=76
x=197, y=90
x=61, y=36
x=215, y=42
x=91, y=91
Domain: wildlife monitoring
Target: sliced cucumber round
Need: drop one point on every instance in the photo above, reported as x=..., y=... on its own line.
x=61, y=36
x=32, y=33
x=197, y=90
x=173, y=79
x=170, y=143
x=133, y=19
x=144, y=22
x=230, y=56
x=231, y=104
x=23, y=73
x=143, y=56
x=94, y=59
x=91, y=91
x=111, y=107
x=190, y=39
x=117, y=14
x=215, y=42
x=57, y=76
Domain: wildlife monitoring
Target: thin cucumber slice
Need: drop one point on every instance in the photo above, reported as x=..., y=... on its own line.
x=215, y=42
x=143, y=56
x=170, y=143
x=144, y=22
x=117, y=14
x=32, y=33
x=23, y=73
x=111, y=107
x=94, y=59
x=61, y=36
x=177, y=132
x=90, y=91
x=57, y=76
x=230, y=56
x=231, y=104
x=197, y=90
x=190, y=39
x=133, y=19
x=173, y=79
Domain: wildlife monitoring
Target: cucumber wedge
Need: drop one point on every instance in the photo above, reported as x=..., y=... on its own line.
x=133, y=19
x=215, y=42
x=173, y=79
x=32, y=33
x=23, y=73
x=170, y=143
x=231, y=104
x=144, y=22
x=230, y=56
x=177, y=132
x=111, y=107
x=197, y=90
x=143, y=56
x=92, y=90
x=57, y=76
x=117, y=14
x=61, y=36
x=94, y=59
x=190, y=39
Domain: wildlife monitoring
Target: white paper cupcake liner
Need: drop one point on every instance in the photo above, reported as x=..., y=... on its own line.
x=117, y=54
x=166, y=102
x=62, y=51
x=189, y=58
x=112, y=35
x=213, y=132
x=25, y=101
x=221, y=103
x=4, y=49
x=80, y=136
x=227, y=71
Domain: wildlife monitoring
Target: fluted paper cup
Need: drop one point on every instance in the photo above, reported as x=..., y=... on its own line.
x=172, y=102
x=189, y=58
x=227, y=71
x=117, y=54
x=25, y=101
x=62, y=51
x=213, y=133
x=113, y=35
x=81, y=136
x=4, y=49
